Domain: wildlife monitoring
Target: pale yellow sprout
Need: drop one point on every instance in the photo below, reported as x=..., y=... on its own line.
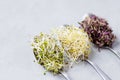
x=74, y=41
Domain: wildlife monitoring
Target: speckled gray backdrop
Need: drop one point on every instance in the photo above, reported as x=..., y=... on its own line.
x=20, y=20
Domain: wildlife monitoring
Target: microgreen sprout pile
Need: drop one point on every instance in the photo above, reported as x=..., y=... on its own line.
x=75, y=41
x=48, y=52
x=98, y=30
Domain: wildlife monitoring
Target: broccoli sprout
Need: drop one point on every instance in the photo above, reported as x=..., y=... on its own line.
x=48, y=52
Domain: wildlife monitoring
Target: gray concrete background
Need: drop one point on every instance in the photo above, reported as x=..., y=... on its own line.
x=20, y=20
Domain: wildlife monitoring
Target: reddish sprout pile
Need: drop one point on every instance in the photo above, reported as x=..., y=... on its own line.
x=98, y=30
